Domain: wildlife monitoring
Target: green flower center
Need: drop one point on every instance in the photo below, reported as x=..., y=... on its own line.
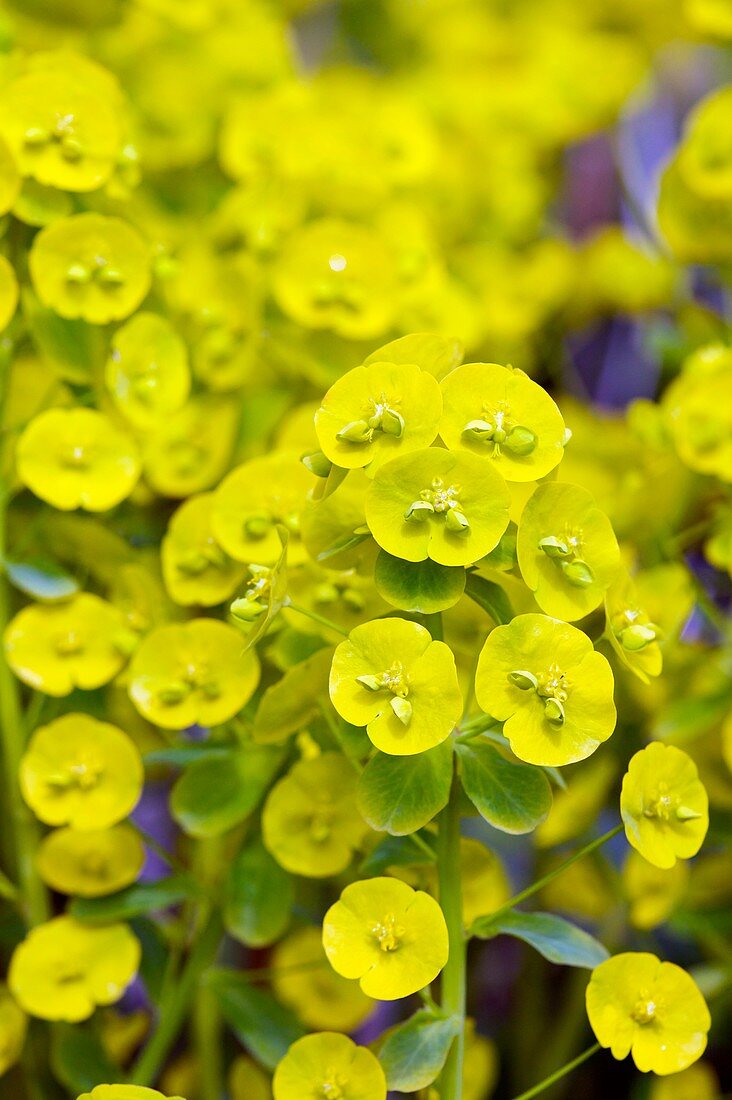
x=396, y=681
x=632, y=632
x=664, y=806
x=497, y=430
x=551, y=687
x=388, y=933
x=195, y=677
x=69, y=644
x=63, y=136
x=440, y=500
x=644, y=1011
x=383, y=417
x=99, y=270
x=333, y=1088
x=254, y=601
x=566, y=554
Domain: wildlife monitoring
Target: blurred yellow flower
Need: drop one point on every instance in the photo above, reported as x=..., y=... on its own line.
x=664, y=805
x=303, y=980
x=90, y=863
x=329, y=1064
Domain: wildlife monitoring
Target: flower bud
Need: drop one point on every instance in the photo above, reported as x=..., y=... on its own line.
x=578, y=573
x=554, y=712
x=317, y=463
x=357, y=431
x=554, y=547
x=246, y=610
x=456, y=522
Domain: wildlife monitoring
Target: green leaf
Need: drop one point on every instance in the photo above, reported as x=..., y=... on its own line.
x=144, y=897
x=396, y=851
x=514, y=798
x=258, y=897
x=40, y=579
x=415, y=1052
x=215, y=794
x=264, y=1026
x=556, y=939
x=400, y=794
x=292, y=702
x=78, y=1059
x=490, y=596
x=433, y=353
x=421, y=586
x=73, y=348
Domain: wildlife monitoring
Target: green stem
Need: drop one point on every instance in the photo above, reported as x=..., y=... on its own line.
x=319, y=619
x=547, y=878
x=453, y=976
x=174, y=1006
x=559, y=1073
x=208, y=1045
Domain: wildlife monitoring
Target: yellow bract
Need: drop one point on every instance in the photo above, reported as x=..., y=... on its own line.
x=705, y=154
x=389, y=936
x=304, y=981
x=632, y=634
x=310, y=823
x=90, y=863
x=81, y=772
x=543, y=678
x=125, y=1092
x=8, y=293
x=651, y=1009
x=567, y=550
x=63, y=969
x=13, y=1028
x=83, y=643
x=500, y=413
x=195, y=568
x=147, y=369
x=375, y=412
x=90, y=266
x=77, y=458
x=698, y=411
x=391, y=677
x=652, y=893
x=331, y=1065
x=193, y=672
x=449, y=506
x=664, y=805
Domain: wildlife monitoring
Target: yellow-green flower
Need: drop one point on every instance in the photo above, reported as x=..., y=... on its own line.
x=329, y=1065
x=377, y=411
x=13, y=1028
x=500, y=413
x=90, y=266
x=61, y=128
x=63, y=969
x=632, y=634
x=83, y=642
x=253, y=500
x=193, y=672
x=449, y=506
x=90, y=863
x=544, y=680
x=310, y=823
x=698, y=409
x=147, y=370
x=698, y=1082
x=652, y=893
x=303, y=980
x=389, y=936
x=195, y=568
x=125, y=1092
x=189, y=451
x=705, y=153
x=567, y=550
x=77, y=458
x=651, y=1009
x=390, y=676
x=8, y=292
x=664, y=805
x=80, y=772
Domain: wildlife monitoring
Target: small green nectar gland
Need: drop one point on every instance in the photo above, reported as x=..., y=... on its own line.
x=317, y=463
x=395, y=681
x=249, y=607
x=384, y=418
x=517, y=439
x=637, y=636
x=257, y=526
x=440, y=500
x=644, y=1011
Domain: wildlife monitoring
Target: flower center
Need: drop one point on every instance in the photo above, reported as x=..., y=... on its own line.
x=333, y=1088
x=253, y=603
x=383, y=416
x=552, y=687
x=63, y=135
x=395, y=680
x=633, y=631
x=565, y=553
x=498, y=431
x=388, y=933
x=644, y=1011
x=440, y=500
x=98, y=269
x=69, y=644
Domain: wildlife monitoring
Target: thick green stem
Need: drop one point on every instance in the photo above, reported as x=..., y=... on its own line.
x=551, y=875
x=453, y=976
x=175, y=1005
x=559, y=1073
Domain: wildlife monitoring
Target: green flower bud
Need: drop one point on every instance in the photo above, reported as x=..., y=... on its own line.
x=392, y=423
x=174, y=693
x=637, y=637
x=247, y=610
x=256, y=527
x=372, y=683
x=526, y=681
x=554, y=712
x=357, y=431
x=456, y=522
x=418, y=511
x=554, y=547
x=317, y=463
x=480, y=430
x=403, y=709
x=578, y=573
x=521, y=441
